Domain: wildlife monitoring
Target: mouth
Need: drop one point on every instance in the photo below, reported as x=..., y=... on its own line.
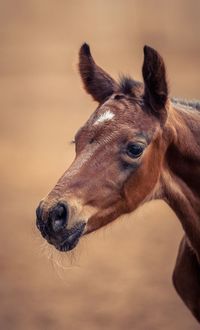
x=64, y=240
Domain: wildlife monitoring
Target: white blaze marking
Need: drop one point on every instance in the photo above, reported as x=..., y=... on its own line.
x=108, y=115
x=80, y=161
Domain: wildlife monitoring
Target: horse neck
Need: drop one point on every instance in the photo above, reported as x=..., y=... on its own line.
x=180, y=176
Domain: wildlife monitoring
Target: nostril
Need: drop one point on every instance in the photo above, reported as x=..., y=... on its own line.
x=61, y=211
x=59, y=217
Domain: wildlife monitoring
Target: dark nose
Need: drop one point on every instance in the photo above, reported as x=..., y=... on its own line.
x=39, y=223
x=39, y=212
x=58, y=217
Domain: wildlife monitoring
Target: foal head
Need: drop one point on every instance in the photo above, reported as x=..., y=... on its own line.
x=119, y=153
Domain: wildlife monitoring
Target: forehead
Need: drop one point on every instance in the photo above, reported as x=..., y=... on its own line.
x=120, y=116
x=121, y=110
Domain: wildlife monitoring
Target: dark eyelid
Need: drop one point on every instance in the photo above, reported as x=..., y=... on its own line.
x=141, y=142
x=142, y=137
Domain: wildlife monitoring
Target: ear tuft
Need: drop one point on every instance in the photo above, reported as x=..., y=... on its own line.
x=149, y=51
x=155, y=82
x=85, y=49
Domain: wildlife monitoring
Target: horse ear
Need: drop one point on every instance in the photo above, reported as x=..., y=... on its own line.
x=96, y=81
x=155, y=83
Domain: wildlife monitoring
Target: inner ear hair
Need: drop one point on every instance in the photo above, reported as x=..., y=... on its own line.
x=155, y=82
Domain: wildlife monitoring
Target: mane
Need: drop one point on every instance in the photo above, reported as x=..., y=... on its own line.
x=187, y=125
x=186, y=104
x=128, y=85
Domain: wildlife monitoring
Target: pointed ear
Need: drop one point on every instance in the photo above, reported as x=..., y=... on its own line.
x=155, y=83
x=96, y=81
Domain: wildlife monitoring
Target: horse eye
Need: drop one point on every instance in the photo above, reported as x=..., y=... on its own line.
x=134, y=150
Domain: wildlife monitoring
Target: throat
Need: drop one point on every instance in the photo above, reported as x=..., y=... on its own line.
x=186, y=168
x=180, y=177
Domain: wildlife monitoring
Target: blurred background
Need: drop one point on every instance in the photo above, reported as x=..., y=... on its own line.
x=119, y=277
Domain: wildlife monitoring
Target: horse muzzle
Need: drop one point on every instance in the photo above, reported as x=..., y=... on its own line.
x=52, y=224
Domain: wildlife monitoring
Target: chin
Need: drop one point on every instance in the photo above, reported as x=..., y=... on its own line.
x=64, y=240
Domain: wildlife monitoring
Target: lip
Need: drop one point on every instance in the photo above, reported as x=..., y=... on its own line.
x=65, y=240
x=72, y=239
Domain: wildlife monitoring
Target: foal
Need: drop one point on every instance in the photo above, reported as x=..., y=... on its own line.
x=137, y=146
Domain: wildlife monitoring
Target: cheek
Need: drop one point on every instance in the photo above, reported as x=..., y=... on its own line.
x=107, y=186
x=107, y=215
x=141, y=183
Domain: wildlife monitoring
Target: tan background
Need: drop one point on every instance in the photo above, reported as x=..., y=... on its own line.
x=121, y=276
